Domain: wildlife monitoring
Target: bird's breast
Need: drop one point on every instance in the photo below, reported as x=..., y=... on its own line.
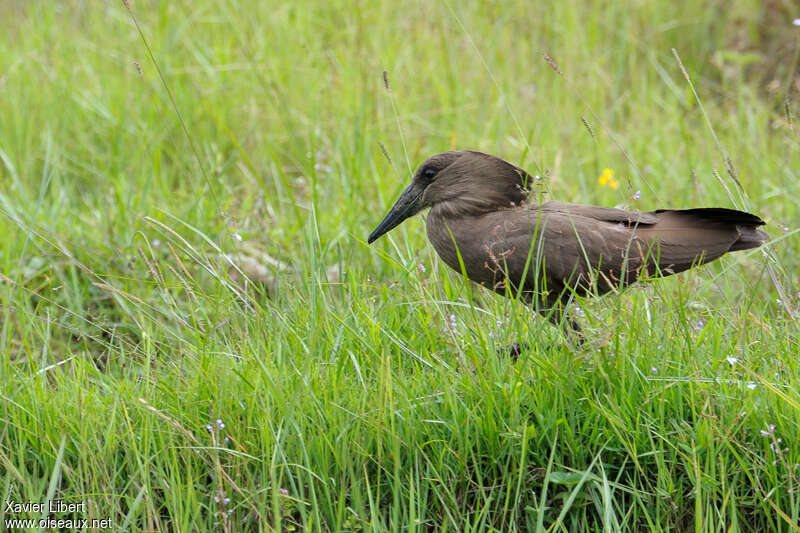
x=476, y=245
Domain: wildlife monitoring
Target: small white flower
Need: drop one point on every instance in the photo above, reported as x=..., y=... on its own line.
x=786, y=229
x=580, y=312
x=156, y=243
x=637, y=195
x=654, y=370
x=499, y=323
x=731, y=360
x=796, y=22
x=421, y=268
x=764, y=433
x=751, y=386
x=236, y=236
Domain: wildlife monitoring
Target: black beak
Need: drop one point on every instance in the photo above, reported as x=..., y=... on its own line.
x=407, y=205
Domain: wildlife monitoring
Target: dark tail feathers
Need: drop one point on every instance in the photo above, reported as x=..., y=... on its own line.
x=750, y=238
x=746, y=223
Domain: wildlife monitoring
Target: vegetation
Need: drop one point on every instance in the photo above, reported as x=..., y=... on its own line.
x=196, y=336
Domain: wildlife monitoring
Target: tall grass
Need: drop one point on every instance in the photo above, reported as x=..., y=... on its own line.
x=195, y=335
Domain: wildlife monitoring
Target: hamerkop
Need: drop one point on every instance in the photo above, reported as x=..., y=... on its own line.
x=483, y=224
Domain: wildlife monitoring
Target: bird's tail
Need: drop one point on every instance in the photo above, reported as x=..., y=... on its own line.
x=747, y=224
x=751, y=237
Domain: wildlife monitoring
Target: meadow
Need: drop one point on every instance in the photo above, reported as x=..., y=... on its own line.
x=196, y=336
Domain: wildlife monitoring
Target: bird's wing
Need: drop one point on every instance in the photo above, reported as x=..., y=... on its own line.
x=673, y=239
x=566, y=245
x=586, y=246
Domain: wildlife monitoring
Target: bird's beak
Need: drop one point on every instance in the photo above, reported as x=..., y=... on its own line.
x=409, y=203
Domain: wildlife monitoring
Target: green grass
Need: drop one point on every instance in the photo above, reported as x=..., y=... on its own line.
x=348, y=403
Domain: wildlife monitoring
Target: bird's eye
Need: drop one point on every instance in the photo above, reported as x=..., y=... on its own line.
x=428, y=172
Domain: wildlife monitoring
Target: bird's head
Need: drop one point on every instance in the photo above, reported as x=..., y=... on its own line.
x=458, y=183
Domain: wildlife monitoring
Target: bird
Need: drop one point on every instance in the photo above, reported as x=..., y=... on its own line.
x=485, y=223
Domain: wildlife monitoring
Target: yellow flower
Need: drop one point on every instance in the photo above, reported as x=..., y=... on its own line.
x=607, y=179
x=607, y=175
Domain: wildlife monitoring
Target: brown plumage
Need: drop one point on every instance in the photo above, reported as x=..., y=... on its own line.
x=482, y=223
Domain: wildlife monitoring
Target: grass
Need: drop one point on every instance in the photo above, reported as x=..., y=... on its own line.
x=347, y=401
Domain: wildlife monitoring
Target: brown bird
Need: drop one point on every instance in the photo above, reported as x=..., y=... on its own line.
x=482, y=223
